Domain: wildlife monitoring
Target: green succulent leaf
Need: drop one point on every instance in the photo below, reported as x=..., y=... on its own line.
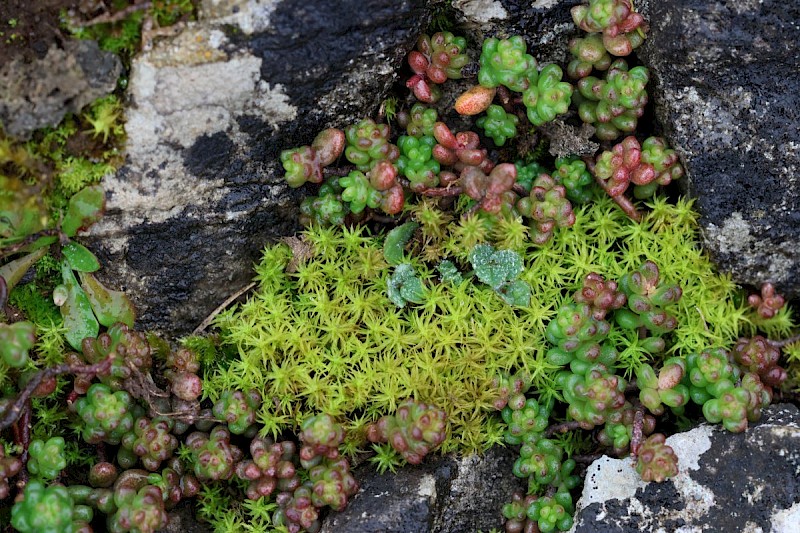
x=396, y=241
x=79, y=320
x=109, y=306
x=80, y=258
x=84, y=209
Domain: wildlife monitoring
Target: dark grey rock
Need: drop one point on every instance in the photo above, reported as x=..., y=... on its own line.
x=726, y=483
x=443, y=495
x=202, y=190
x=39, y=93
x=726, y=88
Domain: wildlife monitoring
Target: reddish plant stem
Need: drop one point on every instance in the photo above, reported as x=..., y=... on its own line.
x=441, y=191
x=15, y=410
x=563, y=427
x=22, y=437
x=621, y=200
x=785, y=342
x=638, y=430
x=337, y=171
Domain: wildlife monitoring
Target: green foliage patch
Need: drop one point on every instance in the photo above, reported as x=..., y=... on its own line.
x=327, y=338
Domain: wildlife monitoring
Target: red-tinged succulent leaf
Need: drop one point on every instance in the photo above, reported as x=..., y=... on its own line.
x=329, y=145
x=475, y=100
x=84, y=209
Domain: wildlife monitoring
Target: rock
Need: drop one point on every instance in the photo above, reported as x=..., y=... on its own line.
x=202, y=190
x=444, y=494
x=726, y=88
x=39, y=93
x=726, y=483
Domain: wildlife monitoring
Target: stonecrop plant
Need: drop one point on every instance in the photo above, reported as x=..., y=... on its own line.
x=452, y=290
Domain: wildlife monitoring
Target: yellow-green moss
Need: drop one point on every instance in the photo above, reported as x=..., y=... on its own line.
x=326, y=338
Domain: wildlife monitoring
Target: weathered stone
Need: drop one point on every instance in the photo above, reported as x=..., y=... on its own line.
x=726, y=483
x=202, y=190
x=726, y=88
x=443, y=495
x=39, y=93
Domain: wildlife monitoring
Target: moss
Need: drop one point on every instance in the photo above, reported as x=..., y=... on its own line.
x=326, y=338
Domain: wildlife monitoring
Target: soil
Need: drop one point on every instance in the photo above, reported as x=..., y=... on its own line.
x=28, y=28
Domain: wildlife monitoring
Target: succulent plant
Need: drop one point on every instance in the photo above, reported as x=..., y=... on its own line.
x=524, y=418
x=416, y=161
x=327, y=208
x=321, y=436
x=151, y=441
x=305, y=164
x=516, y=514
x=332, y=483
x=107, y=416
x=666, y=388
x=237, y=409
x=603, y=296
x=710, y=374
x=572, y=173
x=139, y=510
x=618, y=430
x=552, y=513
x=589, y=53
x=413, y=431
x=760, y=395
x=270, y=463
x=213, y=455
x=418, y=121
x=729, y=407
x=368, y=143
x=46, y=460
x=15, y=341
x=613, y=104
x=103, y=474
x=593, y=397
x=509, y=386
x=129, y=350
x=656, y=460
x=489, y=191
x=664, y=161
x=459, y=150
x=578, y=337
x=548, y=208
x=623, y=29
x=647, y=297
x=760, y=357
x=437, y=58
x=296, y=511
x=9, y=467
x=622, y=165
x=768, y=303
x=498, y=124
x=547, y=96
x=527, y=174
x=506, y=62
x=43, y=509
x=540, y=459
